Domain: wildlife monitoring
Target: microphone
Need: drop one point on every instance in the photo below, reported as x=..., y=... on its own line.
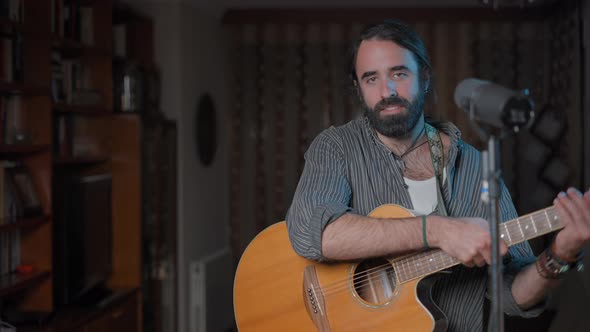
x=492, y=104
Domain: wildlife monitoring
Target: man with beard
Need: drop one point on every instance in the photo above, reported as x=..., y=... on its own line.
x=391, y=155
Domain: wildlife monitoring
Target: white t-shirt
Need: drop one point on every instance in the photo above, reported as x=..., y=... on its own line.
x=423, y=194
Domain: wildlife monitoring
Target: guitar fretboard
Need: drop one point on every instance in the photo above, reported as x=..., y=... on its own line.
x=512, y=232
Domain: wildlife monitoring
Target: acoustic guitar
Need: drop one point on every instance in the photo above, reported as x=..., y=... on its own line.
x=277, y=290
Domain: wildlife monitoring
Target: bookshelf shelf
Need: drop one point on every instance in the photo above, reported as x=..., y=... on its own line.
x=14, y=282
x=24, y=223
x=80, y=161
x=20, y=150
x=80, y=109
x=74, y=48
x=17, y=88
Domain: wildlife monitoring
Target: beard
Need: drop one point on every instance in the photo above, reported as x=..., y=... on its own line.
x=396, y=125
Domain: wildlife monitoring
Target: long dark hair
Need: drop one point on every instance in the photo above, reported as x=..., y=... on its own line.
x=401, y=34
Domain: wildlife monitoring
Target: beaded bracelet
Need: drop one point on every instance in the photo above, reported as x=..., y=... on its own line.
x=550, y=266
x=569, y=260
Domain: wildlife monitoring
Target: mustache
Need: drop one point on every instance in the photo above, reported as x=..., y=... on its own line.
x=392, y=101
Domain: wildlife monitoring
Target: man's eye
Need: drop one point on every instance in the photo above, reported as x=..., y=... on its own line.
x=371, y=80
x=400, y=75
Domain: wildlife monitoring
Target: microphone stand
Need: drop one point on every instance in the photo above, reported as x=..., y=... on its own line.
x=490, y=194
x=513, y=114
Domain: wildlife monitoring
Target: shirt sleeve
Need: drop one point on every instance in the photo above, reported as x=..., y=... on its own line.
x=519, y=256
x=322, y=195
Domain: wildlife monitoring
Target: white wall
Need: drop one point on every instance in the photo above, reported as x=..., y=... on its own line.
x=204, y=191
x=190, y=51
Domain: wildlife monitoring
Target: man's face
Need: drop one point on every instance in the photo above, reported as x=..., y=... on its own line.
x=389, y=82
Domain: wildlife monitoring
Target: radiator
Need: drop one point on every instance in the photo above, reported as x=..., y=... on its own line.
x=210, y=297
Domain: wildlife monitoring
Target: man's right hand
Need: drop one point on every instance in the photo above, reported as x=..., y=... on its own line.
x=467, y=239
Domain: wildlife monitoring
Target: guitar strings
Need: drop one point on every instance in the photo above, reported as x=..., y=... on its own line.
x=403, y=267
x=365, y=277
x=405, y=274
x=417, y=260
x=368, y=276
x=424, y=257
x=369, y=273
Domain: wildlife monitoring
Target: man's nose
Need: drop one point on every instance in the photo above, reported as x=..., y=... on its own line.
x=388, y=89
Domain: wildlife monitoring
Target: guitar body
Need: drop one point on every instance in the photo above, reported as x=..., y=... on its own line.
x=277, y=290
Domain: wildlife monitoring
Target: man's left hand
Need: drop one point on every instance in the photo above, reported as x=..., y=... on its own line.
x=573, y=209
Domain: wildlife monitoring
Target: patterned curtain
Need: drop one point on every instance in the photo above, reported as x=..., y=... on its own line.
x=290, y=81
x=545, y=57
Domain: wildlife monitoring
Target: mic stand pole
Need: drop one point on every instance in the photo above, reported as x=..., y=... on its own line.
x=491, y=193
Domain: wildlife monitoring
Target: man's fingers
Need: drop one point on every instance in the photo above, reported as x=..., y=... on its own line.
x=579, y=210
x=480, y=261
x=562, y=205
x=579, y=213
x=503, y=248
x=582, y=203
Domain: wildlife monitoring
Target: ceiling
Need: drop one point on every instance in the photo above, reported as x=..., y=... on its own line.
x=337, y=3
x=226, y=4
x=220, y=6
x=242, y=4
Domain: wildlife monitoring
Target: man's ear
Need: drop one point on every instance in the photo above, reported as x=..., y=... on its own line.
x=357, y=90
x=426, y=79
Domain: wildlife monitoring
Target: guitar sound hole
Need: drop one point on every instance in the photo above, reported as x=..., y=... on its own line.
x=374, y=281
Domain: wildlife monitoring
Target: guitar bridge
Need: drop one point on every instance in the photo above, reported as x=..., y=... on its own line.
x=314, y=299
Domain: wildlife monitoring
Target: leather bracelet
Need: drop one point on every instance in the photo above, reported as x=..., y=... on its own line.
x=544, y=269
x=543, y=272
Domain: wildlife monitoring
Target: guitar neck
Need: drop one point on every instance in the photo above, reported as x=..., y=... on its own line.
x=512, y=232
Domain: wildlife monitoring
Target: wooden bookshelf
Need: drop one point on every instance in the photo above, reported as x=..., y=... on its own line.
x=114, y=148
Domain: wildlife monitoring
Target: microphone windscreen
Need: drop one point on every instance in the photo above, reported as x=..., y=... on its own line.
x=464, y=91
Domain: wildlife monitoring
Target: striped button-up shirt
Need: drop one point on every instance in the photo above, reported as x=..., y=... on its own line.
x=348, y=169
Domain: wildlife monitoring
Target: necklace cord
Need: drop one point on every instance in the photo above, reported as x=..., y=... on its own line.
x=414, y=146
